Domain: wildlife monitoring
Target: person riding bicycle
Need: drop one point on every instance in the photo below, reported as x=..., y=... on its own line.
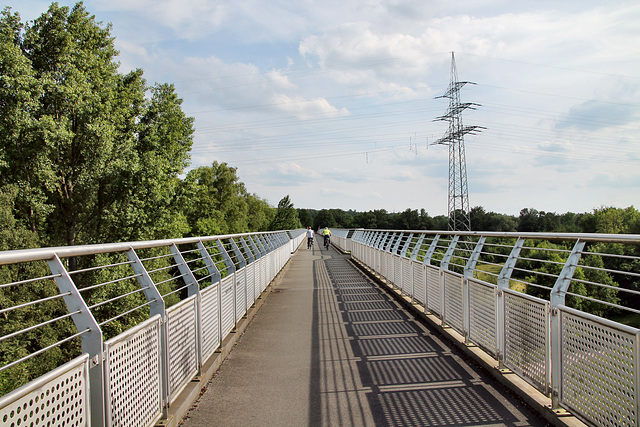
x=326, y=233
x=309, y=237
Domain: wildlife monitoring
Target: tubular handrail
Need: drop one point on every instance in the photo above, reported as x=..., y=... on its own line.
x=189, y=293
x=38, y=254
x=539, y=309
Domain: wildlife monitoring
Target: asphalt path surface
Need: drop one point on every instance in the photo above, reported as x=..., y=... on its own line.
x=330, y=348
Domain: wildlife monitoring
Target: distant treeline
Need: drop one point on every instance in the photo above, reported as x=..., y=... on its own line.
x=601, y=220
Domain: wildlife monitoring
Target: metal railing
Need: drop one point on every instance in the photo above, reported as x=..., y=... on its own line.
x=136, y=322
x=543, y=305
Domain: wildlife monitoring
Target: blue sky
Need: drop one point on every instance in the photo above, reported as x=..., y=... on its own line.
x=334, y=102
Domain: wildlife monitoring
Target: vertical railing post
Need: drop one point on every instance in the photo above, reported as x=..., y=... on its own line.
x=377, y=251
x=416, y=248
x=256, y=245
x=215, y=277
x=242, y=263
x=558, y=294
x=444, y=266
x=185, y=271
x=231, y=271
x=193, y=288
x=468, y=274
x=91, y=340
x=231, y=267
x=156, y=306
x=414, y=258
x=503, y=283
x=250, y=256
x=405, y=247
x=431, y=250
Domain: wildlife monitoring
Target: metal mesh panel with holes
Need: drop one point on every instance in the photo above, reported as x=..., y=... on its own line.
x=181, y=327
x=61, y=397
x=419, y=282
x=263, y=274
x=453, y=301
x=241, y=292
x=397, y=270
x=226, y=306
x=251, y=283
x=269, y=269
x=407, y=277
x=391, y=268
x=482, y=315
x=433, y=290
x=210, y=320
x=526, y=337
x=132, y=376
x=383, y=264
x=599, y=368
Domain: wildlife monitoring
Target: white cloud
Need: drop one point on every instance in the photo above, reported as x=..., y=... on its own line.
x=304, y=94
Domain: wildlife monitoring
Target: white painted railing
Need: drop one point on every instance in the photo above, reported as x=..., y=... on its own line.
x=144, y=316
x=480, y=284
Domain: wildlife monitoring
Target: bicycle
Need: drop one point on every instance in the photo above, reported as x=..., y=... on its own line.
x=327, y=241
x=309, y=242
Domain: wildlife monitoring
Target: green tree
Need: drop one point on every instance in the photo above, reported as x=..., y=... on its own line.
x=529, y=220
x=286, y=217
x=324, y=219
x=150, y=210
x=93, y=159
x=260, y=213
x=214, y=201
x=305, y=217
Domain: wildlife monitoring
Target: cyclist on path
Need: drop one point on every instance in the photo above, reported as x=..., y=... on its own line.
x=326, y=233
x=309, y=237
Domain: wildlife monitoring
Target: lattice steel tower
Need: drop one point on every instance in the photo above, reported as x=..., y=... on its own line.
x=458, y=206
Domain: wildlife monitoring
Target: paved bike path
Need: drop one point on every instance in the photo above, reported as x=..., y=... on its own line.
x=329, y=348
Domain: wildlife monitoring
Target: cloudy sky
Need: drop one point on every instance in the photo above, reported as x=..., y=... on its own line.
x=333, y=102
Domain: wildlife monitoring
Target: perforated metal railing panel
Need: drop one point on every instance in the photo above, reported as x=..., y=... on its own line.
x=397, y=270
x=434, y=302
x=482, y=315
x=407, y=277
x=263, y=274
x=227, y=306
x=132, y=375
x=210, y=318
x=453, y=309
x=599, y=366
x=419, y=283
x=241, y=292
x=59, y=398
x=252, y=294
x=526, y=337
x=181, y=328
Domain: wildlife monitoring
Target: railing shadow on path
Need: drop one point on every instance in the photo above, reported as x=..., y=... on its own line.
x=329, y=347
x=372, y=364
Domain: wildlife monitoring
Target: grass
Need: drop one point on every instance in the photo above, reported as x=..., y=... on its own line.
x=488, y=273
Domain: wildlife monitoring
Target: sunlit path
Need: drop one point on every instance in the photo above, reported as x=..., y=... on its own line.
x=329, y=347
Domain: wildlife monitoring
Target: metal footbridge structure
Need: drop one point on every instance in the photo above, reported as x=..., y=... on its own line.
x=387, y=327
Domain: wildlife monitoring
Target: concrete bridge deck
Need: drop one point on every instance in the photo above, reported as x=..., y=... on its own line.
x=329, y=347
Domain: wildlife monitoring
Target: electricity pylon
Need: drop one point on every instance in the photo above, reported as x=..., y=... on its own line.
x=458, y=206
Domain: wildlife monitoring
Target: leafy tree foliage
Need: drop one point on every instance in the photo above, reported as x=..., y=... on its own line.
x=93, y=159
x=305, y=217
x=325, y=218
x=286, y=217
x=214, y=201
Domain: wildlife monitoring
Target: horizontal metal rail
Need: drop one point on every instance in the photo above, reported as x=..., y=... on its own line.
x=546, y=309
x=114, y=294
